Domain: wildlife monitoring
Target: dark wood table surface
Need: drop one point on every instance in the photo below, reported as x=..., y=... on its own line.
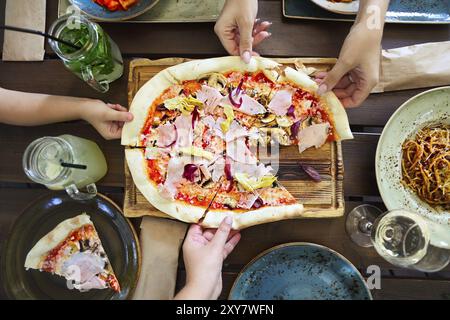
x=291, y=38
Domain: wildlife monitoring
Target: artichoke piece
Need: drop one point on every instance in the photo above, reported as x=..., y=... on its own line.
x=269, y=117
x=225, y=125
x=215, y=80
x=284, y=121
x=251, y=184
x=277, y=134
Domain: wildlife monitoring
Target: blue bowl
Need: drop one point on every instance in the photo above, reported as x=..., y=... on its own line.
x=300, y=271
x=99, y=13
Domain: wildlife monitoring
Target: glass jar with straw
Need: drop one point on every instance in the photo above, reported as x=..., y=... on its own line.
x=65, y=162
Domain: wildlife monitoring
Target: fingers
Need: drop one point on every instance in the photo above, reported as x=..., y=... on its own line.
x=227, y=36
x=260, y=37
x=194, y=230
x=117, y=114
x=231, y=244
x=357, y=98
x=333, y=77
x=222, y=233
x=259, y=27
x=245, y=39
x=117, y=107
x=209, y=234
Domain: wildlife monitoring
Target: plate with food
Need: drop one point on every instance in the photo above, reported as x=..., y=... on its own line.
x=339, y=6
x=198, y=147
x=300, y=271
x=114, y=10
x=413, y=156
x=60, y=248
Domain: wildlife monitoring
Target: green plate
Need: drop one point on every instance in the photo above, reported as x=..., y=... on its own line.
x=116, y=233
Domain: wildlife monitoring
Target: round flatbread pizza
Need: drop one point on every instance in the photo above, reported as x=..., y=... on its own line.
x=193, y=147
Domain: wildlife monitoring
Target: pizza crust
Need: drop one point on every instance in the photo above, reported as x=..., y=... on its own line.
x=141, y=105
x=299, y=78
x=53, y=238
x=246, y=219
x=198, y=68
x=341, y=124
x=176, y=209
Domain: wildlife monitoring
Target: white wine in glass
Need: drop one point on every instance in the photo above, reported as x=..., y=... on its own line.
x=402, y=238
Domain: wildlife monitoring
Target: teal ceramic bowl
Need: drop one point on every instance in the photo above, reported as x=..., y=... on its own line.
x=300, y=271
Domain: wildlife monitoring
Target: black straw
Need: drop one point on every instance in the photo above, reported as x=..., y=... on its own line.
x=73, y=166
x=39, y=33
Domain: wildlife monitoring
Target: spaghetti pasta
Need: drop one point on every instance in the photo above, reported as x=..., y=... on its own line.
x=426, y=165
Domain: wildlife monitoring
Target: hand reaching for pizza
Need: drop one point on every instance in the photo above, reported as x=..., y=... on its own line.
x=239, y=30
x=107, y=119
x=357, y=70
x=204, y=251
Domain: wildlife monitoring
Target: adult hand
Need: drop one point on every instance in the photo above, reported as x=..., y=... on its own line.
x=204, y=251
x=239, y=30
x=357, y=70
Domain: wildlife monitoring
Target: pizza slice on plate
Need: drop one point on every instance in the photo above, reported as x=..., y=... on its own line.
x=193, y=146
x=74, y=251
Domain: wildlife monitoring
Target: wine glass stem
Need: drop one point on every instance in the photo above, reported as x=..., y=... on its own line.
x=365, y=226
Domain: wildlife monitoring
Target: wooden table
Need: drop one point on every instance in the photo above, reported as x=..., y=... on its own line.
x=290, y=39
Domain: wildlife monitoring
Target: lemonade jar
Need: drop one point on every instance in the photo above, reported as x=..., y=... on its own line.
x=98, y=61
x=66, y=162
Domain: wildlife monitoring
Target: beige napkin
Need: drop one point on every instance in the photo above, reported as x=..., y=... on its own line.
x=26, y=14
x=417, y=66
x=161, y=241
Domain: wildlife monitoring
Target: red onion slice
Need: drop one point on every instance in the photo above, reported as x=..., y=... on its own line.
x=294, y=129
x=258, y=203
x=311, y=172
x=227, y=170
x=189, y=172
x=291, y=111
x=239, y=87
x=195, y=116
x=233, y=102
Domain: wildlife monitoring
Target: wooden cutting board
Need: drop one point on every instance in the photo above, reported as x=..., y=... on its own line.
x=323, y=199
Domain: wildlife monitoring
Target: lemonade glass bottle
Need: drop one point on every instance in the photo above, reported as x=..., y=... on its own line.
x=66, y=162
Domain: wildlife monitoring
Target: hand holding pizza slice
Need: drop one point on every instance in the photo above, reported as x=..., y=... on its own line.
x=192, y=148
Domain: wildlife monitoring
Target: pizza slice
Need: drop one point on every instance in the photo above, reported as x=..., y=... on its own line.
x=251, y=194
x=178, y=186
x=73, y=250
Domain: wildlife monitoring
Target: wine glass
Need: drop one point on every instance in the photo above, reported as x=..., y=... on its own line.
x=402, y=238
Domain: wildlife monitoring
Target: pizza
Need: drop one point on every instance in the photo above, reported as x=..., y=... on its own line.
x=74, y=251
x=194, y=147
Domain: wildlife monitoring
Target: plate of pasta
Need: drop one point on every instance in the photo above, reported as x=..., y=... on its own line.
x=339, y=6
x=413, y=156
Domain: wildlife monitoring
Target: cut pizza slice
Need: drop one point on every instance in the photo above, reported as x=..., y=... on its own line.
x=74, y=251
x=179, y=186
x=251, y=202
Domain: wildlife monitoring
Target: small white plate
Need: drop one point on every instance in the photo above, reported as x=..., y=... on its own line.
x=429, y=107
x=339, y=7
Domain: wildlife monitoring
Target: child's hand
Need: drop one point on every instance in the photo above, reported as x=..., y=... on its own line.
x=238, y=29
x=107, y=119
x=204, y=252
x=357, y=70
